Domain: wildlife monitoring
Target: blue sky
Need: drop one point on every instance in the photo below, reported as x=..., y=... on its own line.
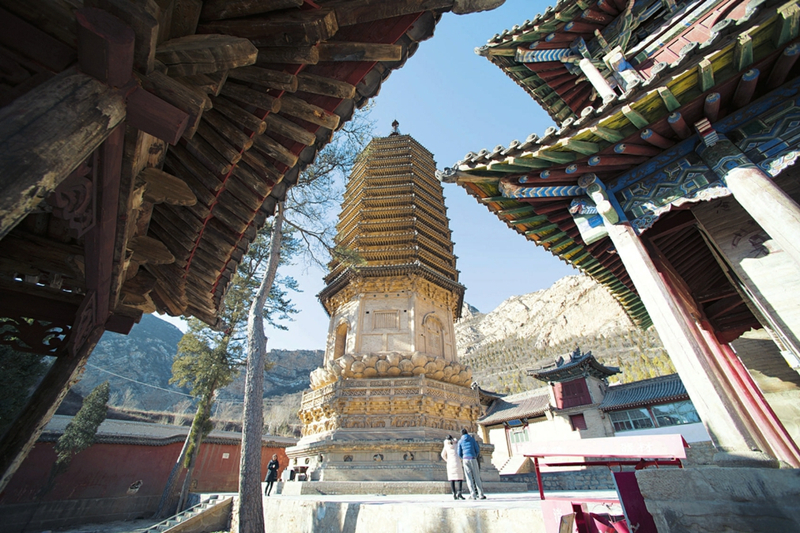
x=453, y=101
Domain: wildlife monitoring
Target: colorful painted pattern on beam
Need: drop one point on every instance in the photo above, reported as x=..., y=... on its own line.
x=512, y=191
x=541, y=56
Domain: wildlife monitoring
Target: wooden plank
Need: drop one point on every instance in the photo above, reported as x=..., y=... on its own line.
x=228, y=9
x=311, y=83
x=142, y=17
x=35, y=44
x=201, y=54
x=185, y=97
x=348, y=51
x=151, y=114
x=273, y=79
x=46, y=134
x=105, y=46
x=287, y=29
x=308, y=112
x=295, y=55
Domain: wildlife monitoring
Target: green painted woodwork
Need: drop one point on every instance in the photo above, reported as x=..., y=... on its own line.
x=518, y=68
x=538, y=230
x=669, y=99
x=530, y=162
x=786, y=28
x=493, y=199
x=556, y=235
x=634, y=117
x=533, y=220
x=706, y=74
x=502, y=166
x=582, y=147
x=743, y=52
x=555, y=157
x=516, y=211
x=607, y=134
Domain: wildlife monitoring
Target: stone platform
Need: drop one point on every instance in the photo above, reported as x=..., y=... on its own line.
x=411, y=513
x=382, y=488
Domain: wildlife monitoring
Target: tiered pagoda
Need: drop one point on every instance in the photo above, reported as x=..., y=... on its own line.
x=390, y=388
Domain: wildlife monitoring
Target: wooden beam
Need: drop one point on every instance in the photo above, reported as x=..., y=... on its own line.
x=289, y=129
x=273, y=79
x=228, y=9
x=308, y=112
x=228, y=129
x=185, y=16
x=311, y=83
x=46, y=134
x=201, y=54
x=186, y=98
x=142, y=17
x=348, y=51
x=151, y=114
x=210, y=83
x=288, y=29
x=248, y=96
x=150, y=250
x=295, y=55
x=362, y=11
x=105, y=47
x=239, y=116
x=272, y=148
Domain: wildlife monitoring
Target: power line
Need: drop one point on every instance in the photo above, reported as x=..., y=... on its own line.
x=139, y=382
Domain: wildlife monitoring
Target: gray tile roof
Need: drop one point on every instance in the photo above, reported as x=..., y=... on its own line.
x=646, y=392
x=526, y=405
x=149, y=434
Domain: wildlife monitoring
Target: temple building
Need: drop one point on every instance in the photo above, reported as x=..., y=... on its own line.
x=669, y=177
x=145, y=143
x=390, y=388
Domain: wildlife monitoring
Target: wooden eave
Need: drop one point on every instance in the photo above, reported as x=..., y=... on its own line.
x=762, y=36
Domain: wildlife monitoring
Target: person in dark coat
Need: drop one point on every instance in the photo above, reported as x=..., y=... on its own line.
x=272, y=474
x=469, y=450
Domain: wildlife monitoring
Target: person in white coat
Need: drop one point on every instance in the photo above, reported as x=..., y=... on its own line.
x=455, y=471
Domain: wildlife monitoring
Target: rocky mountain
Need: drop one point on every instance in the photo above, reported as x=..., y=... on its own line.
x=533, y=329
x=139, y=366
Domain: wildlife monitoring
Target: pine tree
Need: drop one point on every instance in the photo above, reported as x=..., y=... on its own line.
x=81, y=430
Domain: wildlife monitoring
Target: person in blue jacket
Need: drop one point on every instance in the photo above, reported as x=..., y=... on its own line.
x=469, y=450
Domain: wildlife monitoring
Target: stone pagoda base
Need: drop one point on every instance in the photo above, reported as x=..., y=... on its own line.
x=383, y=429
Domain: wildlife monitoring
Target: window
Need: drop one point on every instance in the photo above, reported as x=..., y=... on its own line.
x=572, y=393
x=386, y=320
x=341, y=341
x=517, y=435
x=675, y=414
x=631, y=419
x=577, y=421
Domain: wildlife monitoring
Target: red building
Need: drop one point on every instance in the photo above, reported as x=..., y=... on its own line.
x=121, y=476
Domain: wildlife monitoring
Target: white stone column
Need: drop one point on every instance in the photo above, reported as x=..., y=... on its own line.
x=768, y=204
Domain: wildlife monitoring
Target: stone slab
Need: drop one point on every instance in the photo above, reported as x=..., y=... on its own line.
x=733, y=500
x=507, y=513
x=296, y=488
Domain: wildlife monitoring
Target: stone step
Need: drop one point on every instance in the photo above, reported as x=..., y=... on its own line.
x=297, y=488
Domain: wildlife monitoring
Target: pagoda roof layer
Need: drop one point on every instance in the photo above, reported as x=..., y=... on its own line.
x=578, y=365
